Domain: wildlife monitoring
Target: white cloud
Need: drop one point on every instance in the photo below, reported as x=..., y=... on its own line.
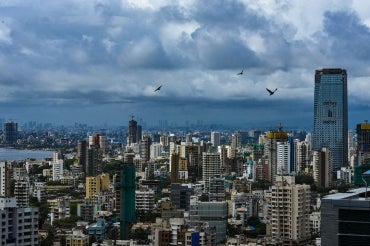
x=108, y=44
x=5, y=34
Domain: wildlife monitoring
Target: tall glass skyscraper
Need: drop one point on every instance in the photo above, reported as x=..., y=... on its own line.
x=330, y=128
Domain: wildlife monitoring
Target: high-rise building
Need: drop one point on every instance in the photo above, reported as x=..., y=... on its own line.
x=345, y=218
x=94, y=185
x=270, y=141
x=322, y=167
x=10, y=132
x=189, y=137
x=289, y=210
x=362, y=161
x=98, y=141
x=330, y=127
x=302, y=156
x=94, y=162
x=57, y=165
x=155, y=150
x=215, y=139
x=134, y=132
x=283, y=158
x=19, y=226
x=180, y=195
x=82, y=154
x=191, y=152
x=145, y=148
x=144, y=200
x=174, y=167
x=211, y=166
x=217, y=191
x=212, y=214
x=21, y=192
x=126, y=198
x=5, y=179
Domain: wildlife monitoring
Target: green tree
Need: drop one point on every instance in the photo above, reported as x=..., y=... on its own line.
x=49, y=240
x=304, y=179
x=261, y=184
x=43, y=213
x=68, y=163
x=232, y=230
x=140, y=235
x=260, y=228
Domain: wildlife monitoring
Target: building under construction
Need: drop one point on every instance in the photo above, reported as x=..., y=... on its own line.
x=125, y=195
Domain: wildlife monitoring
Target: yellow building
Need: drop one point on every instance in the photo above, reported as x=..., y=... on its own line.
x=94, y=185
x=47, y=172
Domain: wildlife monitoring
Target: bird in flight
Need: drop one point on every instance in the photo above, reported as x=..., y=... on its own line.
x=159, y=87
x=241, y=72
x=271, y=92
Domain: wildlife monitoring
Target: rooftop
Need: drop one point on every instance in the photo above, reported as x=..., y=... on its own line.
x=351, y=194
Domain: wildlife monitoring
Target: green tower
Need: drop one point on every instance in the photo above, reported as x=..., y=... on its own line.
x=127, y=187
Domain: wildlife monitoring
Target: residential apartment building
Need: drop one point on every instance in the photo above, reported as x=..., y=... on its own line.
x=18, y=226
x=289, y=211
x=144, y=200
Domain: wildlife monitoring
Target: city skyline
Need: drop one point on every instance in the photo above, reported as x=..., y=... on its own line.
x=99, y=62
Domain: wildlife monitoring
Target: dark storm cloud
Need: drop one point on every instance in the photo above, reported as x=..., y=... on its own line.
x=349, y=39
x=111, y=55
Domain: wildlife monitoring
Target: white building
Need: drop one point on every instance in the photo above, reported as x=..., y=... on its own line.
x=345, y=174
x=57, y=166
x=144, y=200
x=315, y=222
x=302, y=156
x=283, y=158
x=155, y=150
x=5, y=169
x=59, y=208
x=215, y=139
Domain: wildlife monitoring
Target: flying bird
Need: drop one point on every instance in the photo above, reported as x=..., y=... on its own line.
x=159, y=87
x=241, y=72
x=271, y=92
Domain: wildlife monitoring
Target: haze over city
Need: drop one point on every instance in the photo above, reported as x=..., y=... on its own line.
x=99, y=62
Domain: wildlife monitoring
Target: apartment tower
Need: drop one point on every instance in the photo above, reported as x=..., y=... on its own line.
x=289, y=211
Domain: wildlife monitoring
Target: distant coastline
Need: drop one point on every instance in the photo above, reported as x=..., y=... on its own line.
x=15, y=154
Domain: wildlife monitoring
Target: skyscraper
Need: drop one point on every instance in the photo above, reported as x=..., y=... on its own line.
x=82, y=154
x=215, y=139
x=211, y=166
x=330, y=127
x=132, y=131
x=10, y=132
x=126, y=200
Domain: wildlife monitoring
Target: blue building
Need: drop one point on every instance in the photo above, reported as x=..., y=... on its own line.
x=97, y=229
x=330, y=127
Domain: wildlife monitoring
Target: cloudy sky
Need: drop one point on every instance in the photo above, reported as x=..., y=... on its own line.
x=99, y=61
